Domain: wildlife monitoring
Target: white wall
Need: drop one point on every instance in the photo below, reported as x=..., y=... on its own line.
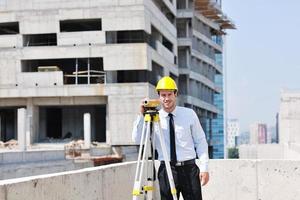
x=30, y=79
x=10, y=41
x=229, y=180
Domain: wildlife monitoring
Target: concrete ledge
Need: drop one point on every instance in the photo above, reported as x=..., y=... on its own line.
x=105, y=182
x=83, y=37
x=229, y=180
x=44, y=79
x=31, y=156
x=11, y=41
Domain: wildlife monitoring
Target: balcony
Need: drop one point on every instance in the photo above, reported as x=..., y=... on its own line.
x=33, y=79
x=80, y=38
x=199, y=103
x=131, y=56
x=211, y=9
x=207, y=60
x=212, y=42
x=185, y=13
x=10, y=41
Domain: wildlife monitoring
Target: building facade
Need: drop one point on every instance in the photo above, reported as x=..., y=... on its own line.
x=218, y=129
x=200, y=28
x=258, y=133
x=60, y=60
x=289, y=117
x=243, y=138
x=233, y=132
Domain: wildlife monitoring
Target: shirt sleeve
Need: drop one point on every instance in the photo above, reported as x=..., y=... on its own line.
x=137, y=129
x=200, y=143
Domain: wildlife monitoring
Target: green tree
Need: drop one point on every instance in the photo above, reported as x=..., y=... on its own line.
x=233, y=152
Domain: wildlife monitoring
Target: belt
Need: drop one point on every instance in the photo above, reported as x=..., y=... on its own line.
x=179, y=164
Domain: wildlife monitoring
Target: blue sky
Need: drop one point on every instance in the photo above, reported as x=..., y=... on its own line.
x=263, y=57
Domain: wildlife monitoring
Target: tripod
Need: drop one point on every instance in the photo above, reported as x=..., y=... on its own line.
x=144, y=186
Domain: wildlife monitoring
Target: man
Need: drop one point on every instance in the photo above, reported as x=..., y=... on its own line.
x=184, y=138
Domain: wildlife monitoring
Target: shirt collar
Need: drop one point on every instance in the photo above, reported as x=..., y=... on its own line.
x=165, y=114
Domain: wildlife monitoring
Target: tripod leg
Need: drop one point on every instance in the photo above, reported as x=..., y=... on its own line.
x=137, y=182
x=140, y=150
x=167, y=162
x=145, y=158
x=141, y=162
x=151, y=168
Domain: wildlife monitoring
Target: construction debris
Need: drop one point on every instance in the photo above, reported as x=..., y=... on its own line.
x=56, y=140
x=104, y=160
x=11, y=144
x=74, y=148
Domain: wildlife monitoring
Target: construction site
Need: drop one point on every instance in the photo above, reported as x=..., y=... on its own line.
x=61, y=60
x=72, y=75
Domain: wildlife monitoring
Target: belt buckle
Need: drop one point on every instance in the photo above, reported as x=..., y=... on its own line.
x=178, y=164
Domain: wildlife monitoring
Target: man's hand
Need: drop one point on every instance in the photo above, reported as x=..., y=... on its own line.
x=204, y=178
x=142, y=109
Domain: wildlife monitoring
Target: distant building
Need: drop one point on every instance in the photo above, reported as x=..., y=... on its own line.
x=269, y=136
x=272, y=134
x=277, y=129
x=258, y=133
x=233, y=129
x=288, y=125
x=243, y=138
x=289, y=118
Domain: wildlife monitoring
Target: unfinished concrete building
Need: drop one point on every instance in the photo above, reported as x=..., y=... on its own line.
x=60, y=60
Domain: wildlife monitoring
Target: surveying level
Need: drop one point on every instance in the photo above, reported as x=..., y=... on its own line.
x=151, y=103
x=144, y=181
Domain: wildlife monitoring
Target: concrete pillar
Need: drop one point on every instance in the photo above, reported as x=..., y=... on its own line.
x=32, y=122
x=0, y=128
x=76, y=70
x=89, y=67
x=188, y=64
x=22, y=128
x=29, y=112
x=109, y=122
x=187, y=31
x=27, y=133
x=87, y=129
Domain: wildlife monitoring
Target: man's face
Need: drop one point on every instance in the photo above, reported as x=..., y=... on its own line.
x=167, y=99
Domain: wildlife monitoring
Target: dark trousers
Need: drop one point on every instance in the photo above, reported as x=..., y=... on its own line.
x=186, y=180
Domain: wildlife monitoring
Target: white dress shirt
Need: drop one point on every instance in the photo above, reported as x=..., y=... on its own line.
x=189, y=135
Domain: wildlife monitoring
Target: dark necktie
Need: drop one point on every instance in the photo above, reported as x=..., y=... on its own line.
x=172, y=139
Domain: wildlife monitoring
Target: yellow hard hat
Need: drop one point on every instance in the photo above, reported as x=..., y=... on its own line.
x=166, y=83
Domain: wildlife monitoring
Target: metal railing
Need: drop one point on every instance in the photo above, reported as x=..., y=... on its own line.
x=99, y=75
